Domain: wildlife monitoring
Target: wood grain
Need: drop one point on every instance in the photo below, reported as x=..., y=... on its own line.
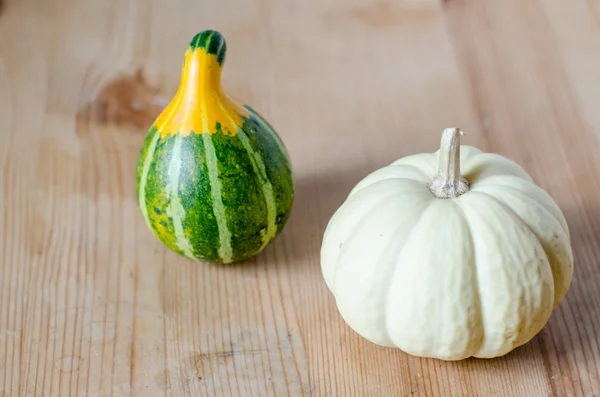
x=91, y=304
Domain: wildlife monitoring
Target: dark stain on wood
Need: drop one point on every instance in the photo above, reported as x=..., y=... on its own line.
x=111, y=128
x=200, y=359
x=128, y=101
x=227, y=353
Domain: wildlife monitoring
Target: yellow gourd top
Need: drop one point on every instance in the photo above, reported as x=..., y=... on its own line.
x=200, y=104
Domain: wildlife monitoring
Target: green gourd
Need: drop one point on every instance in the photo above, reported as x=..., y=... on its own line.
x=214, y=180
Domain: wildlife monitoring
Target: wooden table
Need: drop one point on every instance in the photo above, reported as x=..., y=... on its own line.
x=91, y=304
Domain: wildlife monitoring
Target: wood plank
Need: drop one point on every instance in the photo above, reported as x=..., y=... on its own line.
x=110, y=311
x=576, y=28
x=529, y=111
x=91, y=304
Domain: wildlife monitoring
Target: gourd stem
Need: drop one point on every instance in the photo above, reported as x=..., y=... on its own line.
x=449, y=183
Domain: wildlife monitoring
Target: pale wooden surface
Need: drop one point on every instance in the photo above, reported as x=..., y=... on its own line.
x=91, y=304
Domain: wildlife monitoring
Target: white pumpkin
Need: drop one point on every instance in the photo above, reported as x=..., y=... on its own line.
x=442, y=266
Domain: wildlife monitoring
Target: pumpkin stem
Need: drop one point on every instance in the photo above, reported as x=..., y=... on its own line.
x=449, y=183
